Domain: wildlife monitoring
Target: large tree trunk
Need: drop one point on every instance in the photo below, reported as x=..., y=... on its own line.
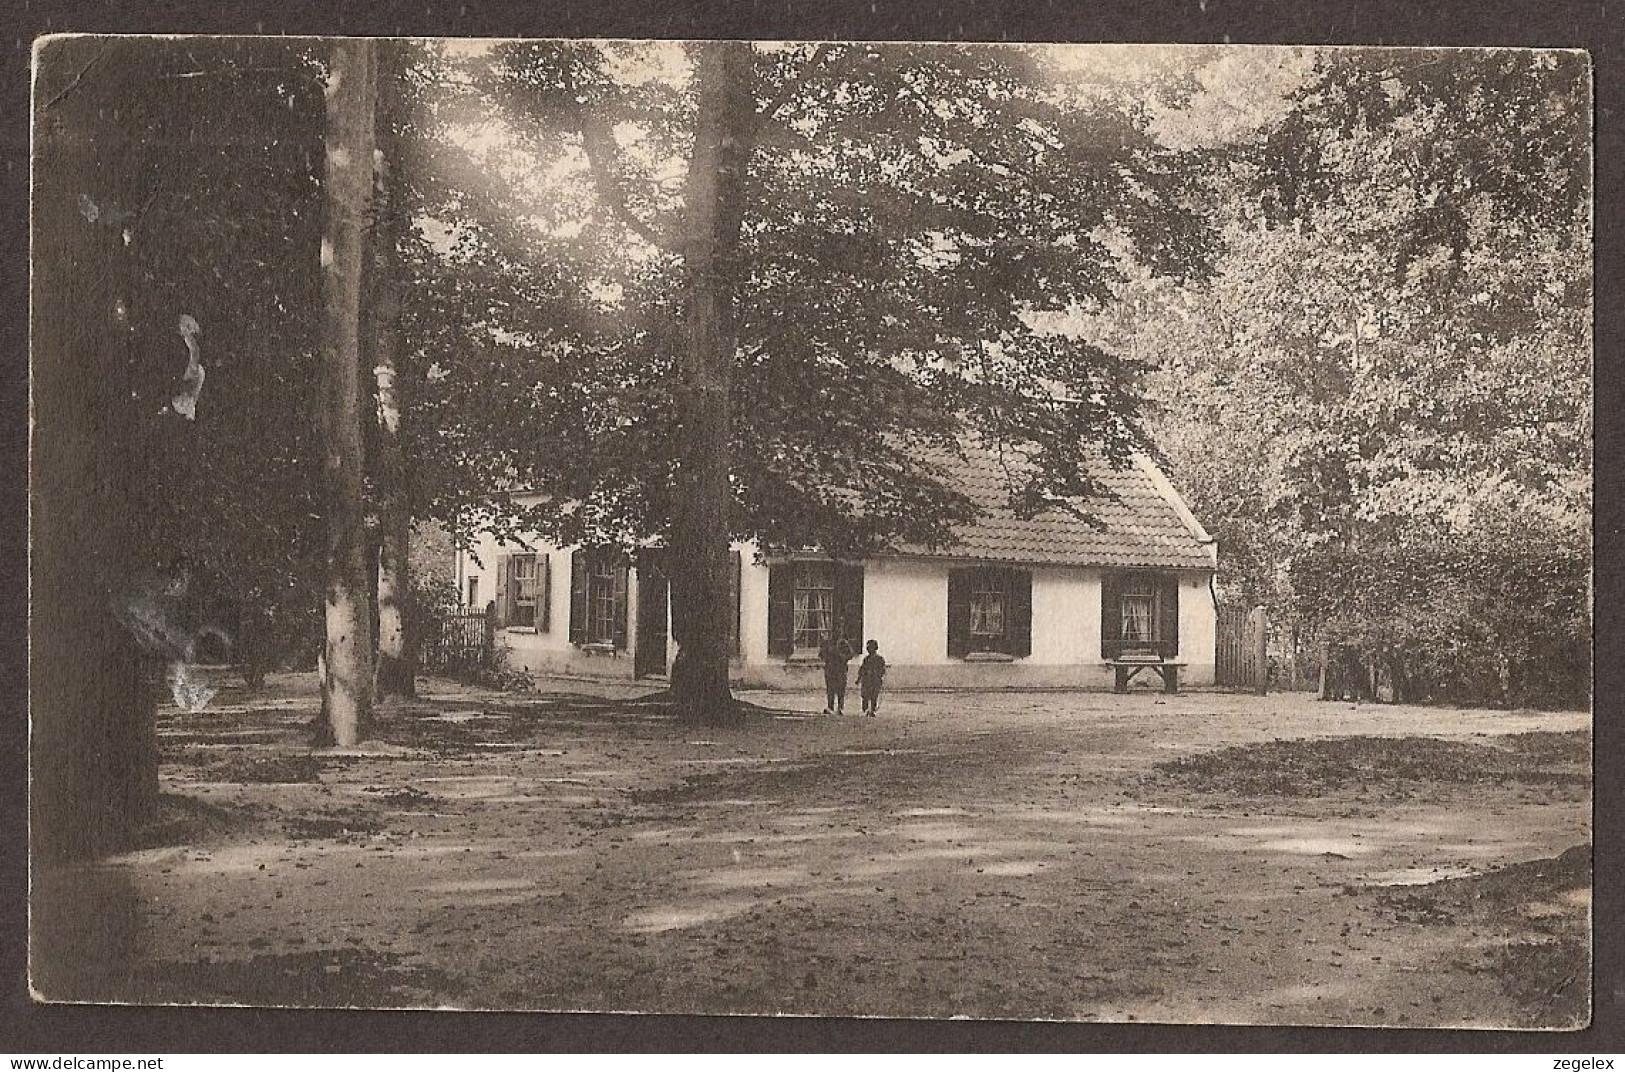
x=396, y=670
x=397, y=667
x=700, y=530
x=93, y=738
x=347, y=679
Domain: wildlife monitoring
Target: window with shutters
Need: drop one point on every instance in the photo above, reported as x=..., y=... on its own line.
x=809, y=601
x=598, y=589
x=522, y=579
x=814, y=605
x=990, y=612
x=602, y=610
x=1139, y=615
x=473, y=592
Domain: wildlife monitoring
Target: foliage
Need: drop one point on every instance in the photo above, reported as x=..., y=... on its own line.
x=433, y=604
x=499, y=676
x=1487, y=617
x=433, y=599
x=217, y=189
x=1380, y=403
x=1364, y=304
x=214, y=163
x=909, y=208
x=433, y=607
x=432, y=557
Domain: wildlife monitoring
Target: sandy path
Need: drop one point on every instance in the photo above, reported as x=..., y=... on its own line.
x=993, y=856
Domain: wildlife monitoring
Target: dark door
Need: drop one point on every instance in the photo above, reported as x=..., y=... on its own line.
x=654, y=596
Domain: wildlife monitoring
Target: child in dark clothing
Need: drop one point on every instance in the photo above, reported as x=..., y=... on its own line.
x=871, y=672
x=835, y=653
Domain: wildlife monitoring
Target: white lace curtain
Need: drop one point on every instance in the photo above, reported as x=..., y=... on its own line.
x=1137, y=618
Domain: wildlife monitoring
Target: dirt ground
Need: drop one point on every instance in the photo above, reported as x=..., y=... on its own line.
x=1195, y=858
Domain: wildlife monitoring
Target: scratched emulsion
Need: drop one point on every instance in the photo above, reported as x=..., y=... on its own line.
x=185, y=400
x=106, y=213
x=151, y=608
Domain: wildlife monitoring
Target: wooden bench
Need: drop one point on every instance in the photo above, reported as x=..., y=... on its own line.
x=1125, y=670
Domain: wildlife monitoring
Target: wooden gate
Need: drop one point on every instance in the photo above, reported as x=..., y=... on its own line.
x=1242, y=660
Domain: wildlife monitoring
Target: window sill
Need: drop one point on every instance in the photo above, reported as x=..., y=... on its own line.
x=804, y=658
x=989, y=657
x=522, y=630
x=598, y=648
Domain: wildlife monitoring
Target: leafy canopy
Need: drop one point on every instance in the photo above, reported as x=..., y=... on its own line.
x=910, y=211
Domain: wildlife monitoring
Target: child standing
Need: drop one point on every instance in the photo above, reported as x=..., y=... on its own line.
x=871, y=672
x=835, y=653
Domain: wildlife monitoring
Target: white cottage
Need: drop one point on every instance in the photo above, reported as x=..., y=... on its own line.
x=1045, y=601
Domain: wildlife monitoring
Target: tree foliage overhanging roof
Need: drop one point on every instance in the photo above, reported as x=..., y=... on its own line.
x=908, y=208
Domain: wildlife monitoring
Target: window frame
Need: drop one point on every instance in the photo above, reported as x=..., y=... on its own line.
x=602, y=609
x=522, y=607
x=990, y=615
x=990, y=590
x=1140, y=587
x=1156, y=594
x=805, y=574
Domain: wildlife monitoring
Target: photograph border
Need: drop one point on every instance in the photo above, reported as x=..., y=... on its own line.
x=1581, y=24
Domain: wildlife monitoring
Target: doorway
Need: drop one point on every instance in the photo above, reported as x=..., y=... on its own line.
x=654, y=601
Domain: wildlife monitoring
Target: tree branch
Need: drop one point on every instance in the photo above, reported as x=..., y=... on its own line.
x=597, y=148
x=594, y=145
x=788, y=88
x=970, y=150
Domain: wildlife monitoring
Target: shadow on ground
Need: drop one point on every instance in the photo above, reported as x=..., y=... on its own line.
x=1059, y=856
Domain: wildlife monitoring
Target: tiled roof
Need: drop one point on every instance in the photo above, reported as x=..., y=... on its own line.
x=1142, y=528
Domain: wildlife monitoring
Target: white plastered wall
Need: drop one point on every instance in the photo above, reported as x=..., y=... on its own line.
x=1198, y=628
x=1066, y=616
x=905, y=610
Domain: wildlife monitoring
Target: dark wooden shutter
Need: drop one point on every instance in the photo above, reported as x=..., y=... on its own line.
x=959, y=589
x=849, y=600
x=1168, y=618
x=620, y=571
x=735, y=567
x=544, y=593
x=781, y=609
x=578, y=597
x=1018, y=621
x=503, y=601
x=1111, y=615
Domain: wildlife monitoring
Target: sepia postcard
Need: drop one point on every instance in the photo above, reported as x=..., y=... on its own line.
x=1011, y=532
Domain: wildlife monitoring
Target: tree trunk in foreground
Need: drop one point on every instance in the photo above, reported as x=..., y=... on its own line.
x=700, y=529
x=93, y=737
x=396, y=663
x=347, y=678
